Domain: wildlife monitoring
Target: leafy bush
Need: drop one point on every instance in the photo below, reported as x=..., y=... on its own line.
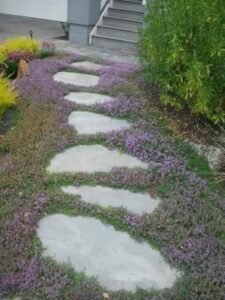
x=21, y=43
x=7, y=95
x=183, y=51
x=13, y=50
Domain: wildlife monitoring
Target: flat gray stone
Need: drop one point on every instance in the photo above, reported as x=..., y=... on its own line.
x=117, y=260
x=92, y=123
x=78, y=79
x=135, y=202
x=87, y=98
x=87, y=65
x=212, y=153
x=92, y=158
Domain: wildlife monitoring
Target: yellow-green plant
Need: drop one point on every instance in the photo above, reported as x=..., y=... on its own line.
x=20, y=43
x=3, y=55
x=8, y=95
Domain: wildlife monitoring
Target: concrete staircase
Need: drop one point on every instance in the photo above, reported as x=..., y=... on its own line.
x=118, y=26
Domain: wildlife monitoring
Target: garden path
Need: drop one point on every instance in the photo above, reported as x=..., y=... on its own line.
x=116, y=259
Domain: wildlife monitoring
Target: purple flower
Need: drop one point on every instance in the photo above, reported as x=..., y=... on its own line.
x=16, y=56
x=39, y=85
x=115, y=74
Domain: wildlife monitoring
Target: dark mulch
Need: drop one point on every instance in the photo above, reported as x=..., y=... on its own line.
x=183, y=123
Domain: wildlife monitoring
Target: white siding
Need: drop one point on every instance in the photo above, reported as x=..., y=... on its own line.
x=43, y=9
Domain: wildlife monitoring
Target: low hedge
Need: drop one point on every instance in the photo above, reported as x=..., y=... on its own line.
x=183, y=52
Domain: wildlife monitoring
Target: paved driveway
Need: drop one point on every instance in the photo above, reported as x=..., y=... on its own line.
x=11, y=26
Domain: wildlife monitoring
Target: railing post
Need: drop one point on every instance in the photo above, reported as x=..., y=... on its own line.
x=82, y=17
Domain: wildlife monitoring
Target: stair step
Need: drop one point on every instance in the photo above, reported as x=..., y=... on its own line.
x=114, y=43
x=117, y=32
x=121, y=23
x=126, y=14
x=134, y=1
x=129, y=5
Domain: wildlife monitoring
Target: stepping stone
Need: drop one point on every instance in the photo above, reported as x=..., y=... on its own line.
x=78, y=79
x=87, y=65
x=92, y=123
x=104, y=196
x=117, y=260
x=92, y=158
x=87, y=98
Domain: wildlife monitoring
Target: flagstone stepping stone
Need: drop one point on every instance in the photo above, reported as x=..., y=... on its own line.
x=92, y=158
x=87, y=65
x=135, y=202
x=87, y=98
x=92, y=123
x=84, y=80
x=117, y=260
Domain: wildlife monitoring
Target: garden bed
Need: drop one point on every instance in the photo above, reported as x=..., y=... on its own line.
x=187, y=227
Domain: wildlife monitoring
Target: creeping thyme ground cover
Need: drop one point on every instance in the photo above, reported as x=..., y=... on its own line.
x=188, y=226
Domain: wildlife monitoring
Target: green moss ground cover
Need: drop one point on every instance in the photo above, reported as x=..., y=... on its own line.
x=187, y=227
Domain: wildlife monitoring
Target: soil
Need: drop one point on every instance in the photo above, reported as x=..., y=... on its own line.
x=183, y=123
x=6, y=121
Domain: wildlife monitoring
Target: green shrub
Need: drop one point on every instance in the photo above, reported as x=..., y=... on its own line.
x=7, y=95
x=183, y=52
x=14, y=49
x=20, y=43
x=11, y=70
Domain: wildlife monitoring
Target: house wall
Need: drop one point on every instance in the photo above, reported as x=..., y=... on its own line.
x=82, y=15
x=56, y=10
x=44, y=9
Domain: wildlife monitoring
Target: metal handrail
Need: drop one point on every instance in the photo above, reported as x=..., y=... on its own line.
x=107, y=4
x=104, y=6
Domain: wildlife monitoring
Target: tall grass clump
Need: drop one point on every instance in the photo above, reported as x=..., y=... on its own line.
x=3, y=56
x=183, y=52
x=20, y=43
x=7, y=95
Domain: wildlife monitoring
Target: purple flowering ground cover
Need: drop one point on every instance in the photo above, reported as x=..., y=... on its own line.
x=188, y=227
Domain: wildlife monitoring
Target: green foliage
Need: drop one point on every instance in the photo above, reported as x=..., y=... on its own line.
x=66, y=27
x=20, y=43
x=183, y=51
x=45, y=53
x=7, y=95
x=14, y=49
x=3, y=56
x=11, y=70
